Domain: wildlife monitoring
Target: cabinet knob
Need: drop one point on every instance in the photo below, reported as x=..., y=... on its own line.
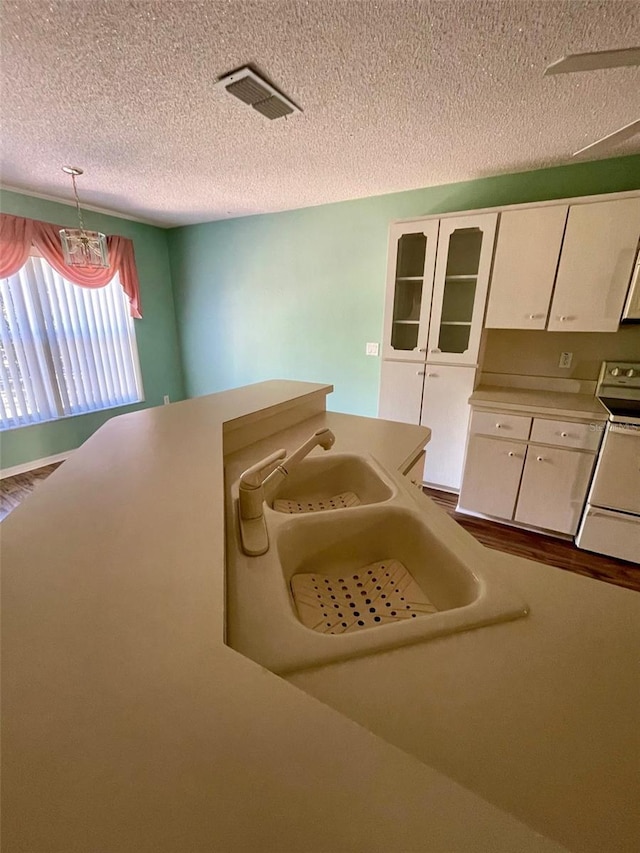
x=564, y=434
x=562, y=319
x=540, y=458
x=422, y=349
x=498, y=426
x=435, y=350
x=432, y=374
x=511, y=453
x=532, y=316
x=419, y=372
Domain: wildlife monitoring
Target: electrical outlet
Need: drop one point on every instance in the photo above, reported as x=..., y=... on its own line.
x=166, y=400
x=372, y=349
x=565, y=359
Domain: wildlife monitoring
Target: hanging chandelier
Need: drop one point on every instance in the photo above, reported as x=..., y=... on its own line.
x=82, y=248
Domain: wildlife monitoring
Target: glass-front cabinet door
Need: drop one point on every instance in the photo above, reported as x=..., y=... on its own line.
x=463, y=266
x=412, y=259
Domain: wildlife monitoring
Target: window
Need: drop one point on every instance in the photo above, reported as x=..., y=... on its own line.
x=64, y=349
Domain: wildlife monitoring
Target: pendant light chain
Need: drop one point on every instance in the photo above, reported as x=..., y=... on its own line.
x=75, y=191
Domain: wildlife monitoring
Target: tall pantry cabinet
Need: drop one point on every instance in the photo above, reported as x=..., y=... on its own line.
x=437, y=281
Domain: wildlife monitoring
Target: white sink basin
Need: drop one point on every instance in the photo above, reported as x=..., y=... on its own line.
x=316, y=481
x=430, y=573
x=340, y=548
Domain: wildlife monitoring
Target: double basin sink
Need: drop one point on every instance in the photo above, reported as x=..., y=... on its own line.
x=358, y=562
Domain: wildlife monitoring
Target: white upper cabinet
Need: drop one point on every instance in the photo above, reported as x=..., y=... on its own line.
x=411, y=265
x=524, y=267
x=596, y=263
x=463, y=265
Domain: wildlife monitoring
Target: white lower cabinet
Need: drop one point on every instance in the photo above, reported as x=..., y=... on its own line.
x=492, y=476
x=436, y=396
x=445, y=410
x=554, y=487
x=401, y=391
x=524, y=480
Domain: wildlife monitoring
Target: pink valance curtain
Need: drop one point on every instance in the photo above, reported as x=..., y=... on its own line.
x=18, y=235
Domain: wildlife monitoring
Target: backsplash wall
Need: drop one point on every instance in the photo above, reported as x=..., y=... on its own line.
x=528, y=353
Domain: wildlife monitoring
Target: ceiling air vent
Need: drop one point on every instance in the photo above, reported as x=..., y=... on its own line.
x=251, y=89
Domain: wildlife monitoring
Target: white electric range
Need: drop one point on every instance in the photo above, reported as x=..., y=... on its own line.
x=611, y=520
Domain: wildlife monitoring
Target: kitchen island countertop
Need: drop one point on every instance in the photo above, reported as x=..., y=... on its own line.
x=129, y=725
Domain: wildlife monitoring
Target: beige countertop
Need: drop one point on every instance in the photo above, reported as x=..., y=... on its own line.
x=128, y=725
x=533, y=401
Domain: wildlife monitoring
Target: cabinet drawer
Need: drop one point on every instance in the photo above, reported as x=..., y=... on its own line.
x=565, y=434
x=500, y=424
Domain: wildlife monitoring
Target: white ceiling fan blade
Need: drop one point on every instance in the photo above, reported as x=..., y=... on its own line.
x=620, y=135
x=595, y=60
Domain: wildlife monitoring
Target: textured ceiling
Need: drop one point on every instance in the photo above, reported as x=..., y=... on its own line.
x=396, y=95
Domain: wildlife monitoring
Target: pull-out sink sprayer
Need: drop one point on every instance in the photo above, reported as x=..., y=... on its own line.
x=259, y=483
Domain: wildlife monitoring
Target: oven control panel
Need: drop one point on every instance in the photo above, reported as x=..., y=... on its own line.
x=621, y=375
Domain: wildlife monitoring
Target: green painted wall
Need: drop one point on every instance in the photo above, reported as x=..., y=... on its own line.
x=155, y=333
x=297, y=295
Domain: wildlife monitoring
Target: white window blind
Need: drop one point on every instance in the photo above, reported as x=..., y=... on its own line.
x=64, y=349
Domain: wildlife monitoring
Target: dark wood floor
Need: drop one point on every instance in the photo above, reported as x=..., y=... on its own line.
x=545, y=549
x=15, y=489
x=522, y=543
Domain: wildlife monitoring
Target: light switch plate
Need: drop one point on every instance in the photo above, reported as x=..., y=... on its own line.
x=372, y=349
x=565, y=359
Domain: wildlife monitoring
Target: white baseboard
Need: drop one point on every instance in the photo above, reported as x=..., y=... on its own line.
x=35, y=463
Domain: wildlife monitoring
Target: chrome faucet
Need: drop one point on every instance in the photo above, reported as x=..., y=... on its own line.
x=260, y=482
